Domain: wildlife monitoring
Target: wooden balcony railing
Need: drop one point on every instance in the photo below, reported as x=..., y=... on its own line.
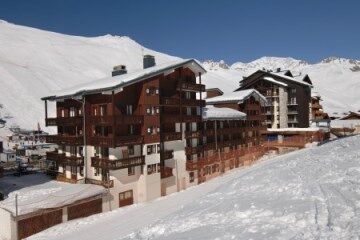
x=65, y=139
x=166, y=172
x=64, y=121
x=119, y=119
x=117, y=141
x=171, y=136
x=106, y=163
x=189, y=86
x=104, y=183
x=168, y=101
x=167, y=154
x=194, y=134
x=194, y=150
x=193, y=102
x=173, y=118
x=60, y=158
x=252, y=106
x=62, y=178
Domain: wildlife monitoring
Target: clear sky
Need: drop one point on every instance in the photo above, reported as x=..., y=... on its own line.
x=229, y=30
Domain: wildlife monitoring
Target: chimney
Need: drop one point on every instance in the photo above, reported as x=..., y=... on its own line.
x=119, y=70
x=148, y=61
x=278, y=70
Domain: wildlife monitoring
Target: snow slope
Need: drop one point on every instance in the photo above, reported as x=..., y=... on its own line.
x=336, y=79
x=34, y=62
x=308, y=194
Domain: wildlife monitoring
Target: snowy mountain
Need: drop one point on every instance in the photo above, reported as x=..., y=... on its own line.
x=33, y=63
x=336, y=79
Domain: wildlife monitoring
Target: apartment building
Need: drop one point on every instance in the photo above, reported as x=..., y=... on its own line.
x=147, y=133
x=288, y=97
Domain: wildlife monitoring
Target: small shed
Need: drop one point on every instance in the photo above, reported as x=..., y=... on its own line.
x=36, y=208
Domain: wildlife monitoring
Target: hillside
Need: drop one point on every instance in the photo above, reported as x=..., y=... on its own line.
x=307, y=194
x=33, y=63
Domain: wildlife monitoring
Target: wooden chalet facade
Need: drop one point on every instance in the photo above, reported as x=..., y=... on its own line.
x=288, y=97
x=316, y=109
x=143, y=134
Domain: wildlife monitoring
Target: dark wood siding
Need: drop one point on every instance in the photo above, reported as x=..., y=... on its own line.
x=35, y=224
x=85, y=209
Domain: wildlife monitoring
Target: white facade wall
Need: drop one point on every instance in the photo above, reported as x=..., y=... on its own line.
x=283, y=113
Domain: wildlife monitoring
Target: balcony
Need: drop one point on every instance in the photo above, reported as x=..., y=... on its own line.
x=194, y=134
x=176, y=118
x=189, y=86
x=193, y=102
x=104, y=183
x=62, y=178
x=167, y=154
x=71, y=140
x=168, y=101
x=108, y=164
x=292, y=104
x=171, y=136
x=191, y=118
x=166, y=172
x=191, y=166
x=292, y=112
x=119, y=119
x=194, y=150
x=256, y=117
x=64, y=121
x=118, y=141
x=316, y=106
x=61, y=159
x=293, y=121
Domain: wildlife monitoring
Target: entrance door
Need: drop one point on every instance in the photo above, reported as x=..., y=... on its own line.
x=126, y=198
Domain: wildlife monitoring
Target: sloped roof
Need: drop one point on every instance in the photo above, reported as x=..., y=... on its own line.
x=116, y=82
x=238, y=97
x=216, y=113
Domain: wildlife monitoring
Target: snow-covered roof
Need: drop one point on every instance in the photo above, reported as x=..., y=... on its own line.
x=238, y=97
x=117, y=82
x=279, y=130
x=272, y=80
x=216, y=113
x=49, y=195
x=290, y=78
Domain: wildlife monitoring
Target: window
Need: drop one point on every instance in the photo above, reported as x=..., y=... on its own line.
x=293, y=100
x=187, y=95
x=63, y=168
x=131, y=171
x=73, y=170
x=151, y=149
x=151, y=169
x=157, y=91
x=96, y=151
x=129, y=109
x=72, y=112
x=131, y=129
x=293, y=90
x=96, y=172
x=192, y=176
x=73, y=151
x=62, y=113
x=148, y=90
x=188, y=111
x=131, y=150
x=81, y=170
x=148, y=110
x=104, y=152
x=158, y=148
x=103, y=110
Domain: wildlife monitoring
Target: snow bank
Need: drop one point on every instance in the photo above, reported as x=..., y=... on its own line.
x=308, y=194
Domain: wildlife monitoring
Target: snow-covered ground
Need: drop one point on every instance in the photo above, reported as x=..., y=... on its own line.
x=313, y=193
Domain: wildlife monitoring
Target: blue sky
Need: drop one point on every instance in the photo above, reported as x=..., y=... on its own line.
x=228, y=30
